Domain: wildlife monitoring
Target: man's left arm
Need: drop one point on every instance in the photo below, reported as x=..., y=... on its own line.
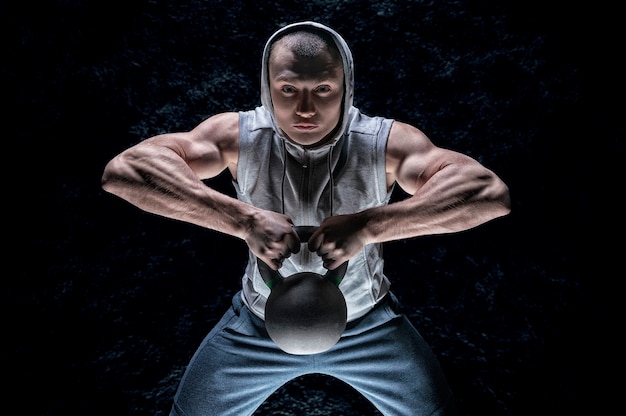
x=449, y=192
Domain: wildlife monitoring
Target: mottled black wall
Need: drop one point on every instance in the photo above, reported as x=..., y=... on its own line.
x=105, y=304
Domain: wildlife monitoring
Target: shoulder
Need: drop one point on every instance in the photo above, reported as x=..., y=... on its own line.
x=229, y=124
x=403, y=135
x=409, y=154
x=222, y=126
x=406, y=140
x=216, y=135
x=221, y=130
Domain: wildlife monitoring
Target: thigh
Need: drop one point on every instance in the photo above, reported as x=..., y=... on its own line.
x=235, y=368
x=387, y=360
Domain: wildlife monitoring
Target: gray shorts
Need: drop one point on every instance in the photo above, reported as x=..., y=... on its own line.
x=237, y=366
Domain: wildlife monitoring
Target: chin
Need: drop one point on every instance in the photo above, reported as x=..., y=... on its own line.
x=305, y=139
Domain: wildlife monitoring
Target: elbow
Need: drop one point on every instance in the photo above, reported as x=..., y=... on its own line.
x=503, y=198
x=110, y=177
x=106, y=181
x=495, y=195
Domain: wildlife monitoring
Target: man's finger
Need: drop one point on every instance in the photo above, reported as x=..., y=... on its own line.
x=315, y=241
x=293, y=242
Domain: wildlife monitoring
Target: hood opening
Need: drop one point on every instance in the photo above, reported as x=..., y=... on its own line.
x=348, y=72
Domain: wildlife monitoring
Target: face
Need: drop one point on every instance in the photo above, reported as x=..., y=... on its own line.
x=306, y=94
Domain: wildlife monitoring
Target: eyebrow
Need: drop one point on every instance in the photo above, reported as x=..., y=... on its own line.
x=282, y=77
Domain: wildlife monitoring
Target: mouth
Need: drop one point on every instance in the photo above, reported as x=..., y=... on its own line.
x=305, y=126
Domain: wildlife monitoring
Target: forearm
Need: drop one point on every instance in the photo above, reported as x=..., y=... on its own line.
x=157, y=180
x=456, y=198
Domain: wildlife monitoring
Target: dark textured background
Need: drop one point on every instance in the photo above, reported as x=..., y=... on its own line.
x=105, y=304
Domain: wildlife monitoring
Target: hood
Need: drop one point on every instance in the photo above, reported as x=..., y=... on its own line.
x=348, y=72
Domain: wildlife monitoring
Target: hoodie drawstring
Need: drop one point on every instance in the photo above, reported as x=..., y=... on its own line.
x=282, y=181
x=332, y=180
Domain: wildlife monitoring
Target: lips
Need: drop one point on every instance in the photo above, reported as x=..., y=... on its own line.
x=305, y=126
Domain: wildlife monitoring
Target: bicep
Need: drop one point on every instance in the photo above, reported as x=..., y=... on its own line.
x=412, y=159
x=209, y=148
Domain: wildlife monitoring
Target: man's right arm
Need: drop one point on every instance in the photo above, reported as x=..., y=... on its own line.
x=164, y=175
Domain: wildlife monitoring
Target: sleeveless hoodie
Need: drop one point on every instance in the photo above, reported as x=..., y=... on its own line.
x=346, y=175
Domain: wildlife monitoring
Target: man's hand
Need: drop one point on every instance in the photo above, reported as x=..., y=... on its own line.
x=272, y=238
x=338, y=239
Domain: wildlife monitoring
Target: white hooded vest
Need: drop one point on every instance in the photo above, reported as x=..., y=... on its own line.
x=345, y=176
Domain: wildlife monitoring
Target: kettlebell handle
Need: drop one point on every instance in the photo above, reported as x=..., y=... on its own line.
x=272, y=277
x=305, y=231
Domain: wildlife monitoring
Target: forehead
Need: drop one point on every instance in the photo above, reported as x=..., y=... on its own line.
x=286, y=63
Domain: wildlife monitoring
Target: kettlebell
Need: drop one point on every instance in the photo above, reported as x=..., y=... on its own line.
x=306, y=312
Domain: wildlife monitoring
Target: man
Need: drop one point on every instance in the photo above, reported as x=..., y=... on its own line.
x=308, y=157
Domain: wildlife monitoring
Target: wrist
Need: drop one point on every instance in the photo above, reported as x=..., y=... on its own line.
x=368, y=226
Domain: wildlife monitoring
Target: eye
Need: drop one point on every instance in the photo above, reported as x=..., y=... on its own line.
x=323, y=89
x=288, y=89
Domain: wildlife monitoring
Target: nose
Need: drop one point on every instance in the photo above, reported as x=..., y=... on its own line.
x=305, y=108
